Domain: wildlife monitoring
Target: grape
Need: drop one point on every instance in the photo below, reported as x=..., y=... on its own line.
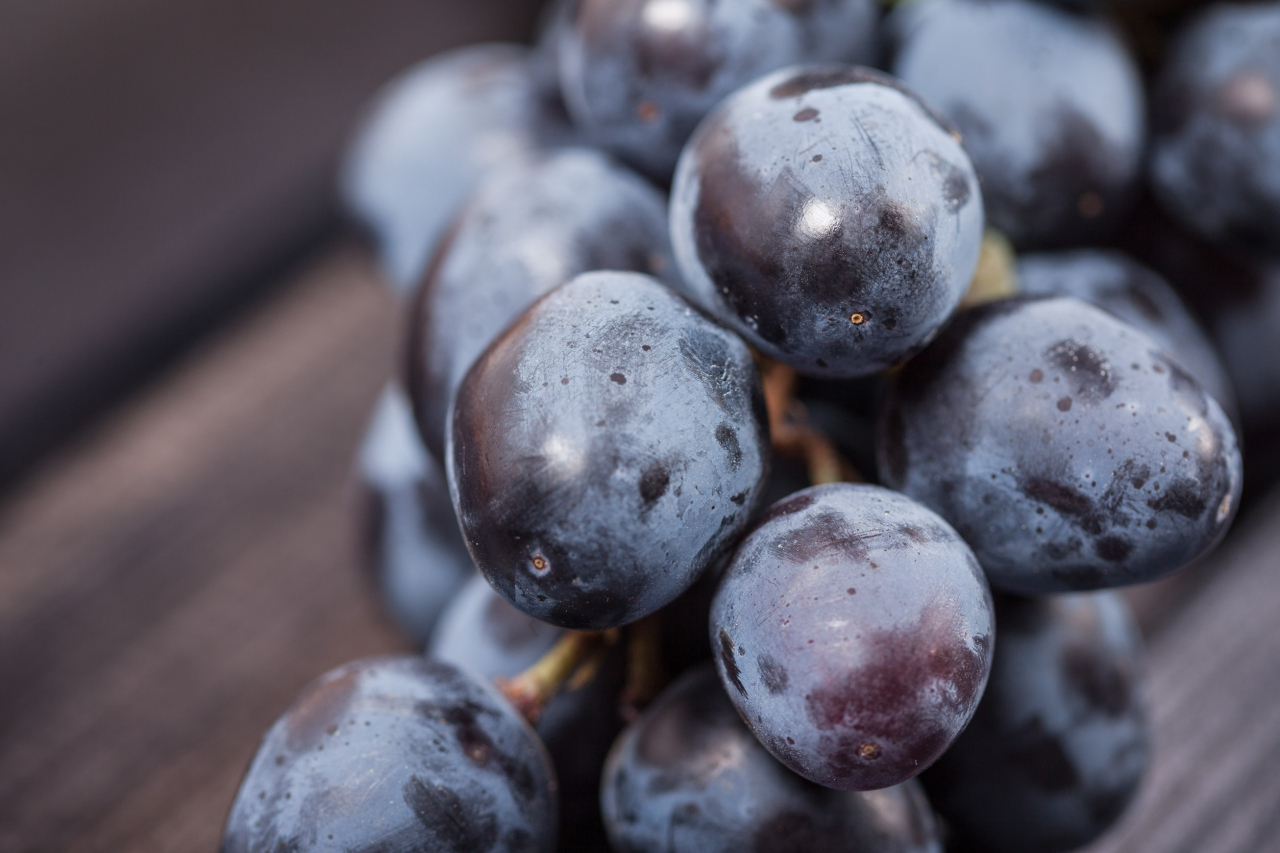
x=1247, y=327
x=527, y=229
x=1140, y=297
x=1216, y=158
x=688, y=777
x=605, y=450
x=482, y=634
x=853, y=633
x=396, y=753
x=430, y=135
x=828, y=216
x=415, y=550
x=1064, y=445
x=1049, y=103
x=1060, y=740
x=638, y=75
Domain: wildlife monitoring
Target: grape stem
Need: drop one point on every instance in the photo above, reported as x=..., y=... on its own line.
x=996, y=275
x=791, y=433
x=531, y=690
x=646, y=675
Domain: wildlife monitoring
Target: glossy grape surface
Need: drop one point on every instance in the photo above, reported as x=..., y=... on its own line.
x=826, y=215
x=413, y=545
x=429, y=137
x=397, y=753
x=1064, y=445
x=605, y=450
x=1135, y=294
x=638, y=75
x=484, y=635
x=1216, y=159
x=527, y=229
x=1049, y=103
x=688, y=777
x=853, y=633
x=1060, y=741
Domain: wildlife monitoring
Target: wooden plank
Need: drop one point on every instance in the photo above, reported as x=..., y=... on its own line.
x=168, y=586
x=160, y=158
x=1214, y=686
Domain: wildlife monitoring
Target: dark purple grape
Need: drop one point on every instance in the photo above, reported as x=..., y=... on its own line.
x=638, y=75
x=853, y=633
x=828, y=216
x=526, y=230
x=397, y=753
x=1216, y=159
x=1049, y=103
x=484, y=635
x=1060, y=740
x=429, y=136
x=688, y=777
x=605, y=450
x=1135, y=294
x=414, y=547
x=1246, y=326
x=1065, y=446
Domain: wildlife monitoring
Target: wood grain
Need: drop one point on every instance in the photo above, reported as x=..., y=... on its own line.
x=1214, y=686
x=160, y=158
x=168, y=585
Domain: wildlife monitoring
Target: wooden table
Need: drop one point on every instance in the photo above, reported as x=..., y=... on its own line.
x=168, y=584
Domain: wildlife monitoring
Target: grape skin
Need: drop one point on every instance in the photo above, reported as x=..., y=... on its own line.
x=638, y=75
x=688, y=777
x=827, y=215
x=1049, y=103
x=605, y=450
x=430, y=135
x=853, y=633
x=484, y=635
x=1061, y=738
x=396, y=753
x=414, y=549
x=1064, y=445
x=1215, y=162
x=1135, y=294
x=526, y=229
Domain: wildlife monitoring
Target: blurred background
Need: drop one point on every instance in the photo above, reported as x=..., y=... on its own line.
x=161, y=163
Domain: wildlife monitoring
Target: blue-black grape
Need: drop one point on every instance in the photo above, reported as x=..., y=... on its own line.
x=527, y=229
x=413, y=545
x=688, y=777
x=1216, y=158
x=605, y=449
x=1065, y=446
x=826, y=214
x=484, y=635
x=1137, y=295
x=431, y=134
x=396, y=753
x=638, y=75
x=853, y=633
x=1060, y=740
x=1050, y=105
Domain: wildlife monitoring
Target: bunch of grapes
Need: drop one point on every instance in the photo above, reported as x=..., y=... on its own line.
x=774, y=430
